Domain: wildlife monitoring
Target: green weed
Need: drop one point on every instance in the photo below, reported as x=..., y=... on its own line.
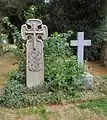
x=104, y=77
x=99, y=105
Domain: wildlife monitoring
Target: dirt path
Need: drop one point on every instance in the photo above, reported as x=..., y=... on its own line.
x=97, y=69
x=7, y=63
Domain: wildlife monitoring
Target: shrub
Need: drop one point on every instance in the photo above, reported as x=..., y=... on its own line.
x=13, y=33
x=62, y=74
x=61, y=77
x=3, y=38
x=3, y=46
x=93, y=52
x=57, y=45
x=61, y=69
x=17, y=76
x=13, y=95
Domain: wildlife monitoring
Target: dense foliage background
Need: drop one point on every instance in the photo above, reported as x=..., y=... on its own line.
x=60, y=16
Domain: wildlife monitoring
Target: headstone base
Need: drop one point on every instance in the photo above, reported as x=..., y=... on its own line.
x=87, y=79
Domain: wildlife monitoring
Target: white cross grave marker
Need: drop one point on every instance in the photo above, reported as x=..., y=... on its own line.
x=80, y=42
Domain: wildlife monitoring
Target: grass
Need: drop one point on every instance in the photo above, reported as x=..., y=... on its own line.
x=104, y=77
x=39, y=113
x=97, y=105
x=55, y=112
x=32, y=113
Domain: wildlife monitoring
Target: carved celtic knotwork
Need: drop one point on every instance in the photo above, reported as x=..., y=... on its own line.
x=34, y=61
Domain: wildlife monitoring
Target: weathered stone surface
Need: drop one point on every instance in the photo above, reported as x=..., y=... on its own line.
x=87, y=78
x=34, y=32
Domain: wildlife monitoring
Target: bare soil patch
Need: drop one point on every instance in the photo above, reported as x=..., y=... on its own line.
x=97, y=69
x=7, y=63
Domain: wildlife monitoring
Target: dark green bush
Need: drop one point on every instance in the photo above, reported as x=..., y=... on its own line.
x=14, y=36
x=93, y=52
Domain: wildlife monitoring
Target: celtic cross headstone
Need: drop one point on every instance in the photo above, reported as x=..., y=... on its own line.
x=34, y=32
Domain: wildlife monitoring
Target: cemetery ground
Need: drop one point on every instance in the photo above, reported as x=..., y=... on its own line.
x=93, y=106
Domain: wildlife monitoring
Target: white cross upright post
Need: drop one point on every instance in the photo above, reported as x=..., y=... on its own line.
x=80, y=43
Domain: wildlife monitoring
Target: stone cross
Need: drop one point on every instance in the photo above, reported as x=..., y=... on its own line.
x=80, y=42
x=34, y=32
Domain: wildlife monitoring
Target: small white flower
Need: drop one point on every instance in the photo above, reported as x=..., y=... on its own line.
x=46, y=1
x=32, y=9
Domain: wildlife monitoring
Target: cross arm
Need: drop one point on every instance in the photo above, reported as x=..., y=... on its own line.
x=75, y=43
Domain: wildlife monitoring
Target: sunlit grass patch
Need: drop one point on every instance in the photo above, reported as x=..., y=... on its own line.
x=104, y=77
x=97, y=105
